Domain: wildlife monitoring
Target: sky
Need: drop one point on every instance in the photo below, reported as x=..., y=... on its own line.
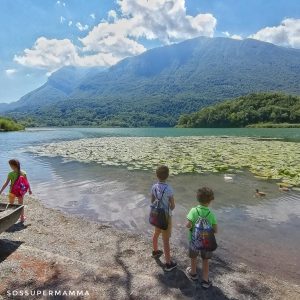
x=38, y=37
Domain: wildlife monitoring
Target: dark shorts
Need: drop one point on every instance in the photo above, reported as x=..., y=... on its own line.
x=204, y=254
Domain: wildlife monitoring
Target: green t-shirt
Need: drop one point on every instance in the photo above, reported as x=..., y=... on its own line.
x=201, y=211
x=13, y=176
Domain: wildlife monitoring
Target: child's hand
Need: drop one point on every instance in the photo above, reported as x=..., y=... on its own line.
x=30, y=192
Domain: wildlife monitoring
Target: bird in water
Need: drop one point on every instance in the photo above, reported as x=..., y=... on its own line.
x=228, y=177
x=259, y=194
x=283, y=188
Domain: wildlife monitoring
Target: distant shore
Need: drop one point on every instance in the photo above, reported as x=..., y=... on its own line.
x=257, y=125
x=274, y=125
x=54, y=251
x=7, y=124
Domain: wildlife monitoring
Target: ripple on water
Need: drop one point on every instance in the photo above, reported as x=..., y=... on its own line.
x=278, y=210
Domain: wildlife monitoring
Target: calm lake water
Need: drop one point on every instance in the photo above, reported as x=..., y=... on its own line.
x=261, y=232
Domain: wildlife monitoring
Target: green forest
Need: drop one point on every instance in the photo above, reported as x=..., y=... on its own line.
x=253, y=110
x=7, y=124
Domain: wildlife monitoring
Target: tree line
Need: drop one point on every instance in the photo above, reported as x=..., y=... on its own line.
x=253, y=110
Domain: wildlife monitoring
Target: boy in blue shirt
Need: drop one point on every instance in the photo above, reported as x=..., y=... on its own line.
x=163, y=192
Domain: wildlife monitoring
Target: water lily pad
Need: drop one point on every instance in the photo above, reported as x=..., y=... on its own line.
x=266, y=159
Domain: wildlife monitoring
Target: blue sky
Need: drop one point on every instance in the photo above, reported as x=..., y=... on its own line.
x=102, y=32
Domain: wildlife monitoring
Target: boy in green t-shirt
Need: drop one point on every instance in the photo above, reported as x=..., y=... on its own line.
x=204, y=196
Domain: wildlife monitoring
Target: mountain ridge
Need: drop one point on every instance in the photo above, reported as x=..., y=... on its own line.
x=157, y=86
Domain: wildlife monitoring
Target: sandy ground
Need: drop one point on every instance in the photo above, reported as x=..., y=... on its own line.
x=54, y=251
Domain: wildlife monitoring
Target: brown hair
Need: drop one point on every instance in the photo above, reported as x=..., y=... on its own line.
x=162, y=172
x=205, y=195
x=15, y=163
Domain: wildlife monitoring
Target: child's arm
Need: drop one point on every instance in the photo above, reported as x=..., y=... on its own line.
x=215, y=228
x=152, y=198
x=189, y=224
x=29, y=190
x=172, y=202
x=214, y=223
x=5, y=185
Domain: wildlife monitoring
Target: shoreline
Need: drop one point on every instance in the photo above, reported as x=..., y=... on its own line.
x=59, y=251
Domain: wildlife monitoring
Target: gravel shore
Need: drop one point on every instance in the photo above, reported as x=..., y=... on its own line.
x=55, y=251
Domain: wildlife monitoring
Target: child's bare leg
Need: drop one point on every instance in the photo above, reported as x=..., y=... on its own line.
x=193, y=265
x=166, y=242
x=205, y=269
x=11, y=198
x=155, y=239
x=20, y=201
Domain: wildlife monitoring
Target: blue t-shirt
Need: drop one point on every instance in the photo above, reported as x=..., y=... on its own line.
x=163, y=192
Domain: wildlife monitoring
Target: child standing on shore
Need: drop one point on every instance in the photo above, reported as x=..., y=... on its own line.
x=204, y=196
x=12, y=178
x=163, y=192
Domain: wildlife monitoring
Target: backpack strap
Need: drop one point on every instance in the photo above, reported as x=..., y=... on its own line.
x=191, y=229
x=158, y=203
x=162, y=195
x=199, y=214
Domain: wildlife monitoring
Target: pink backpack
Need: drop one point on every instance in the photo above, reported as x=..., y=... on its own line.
x=20, y=187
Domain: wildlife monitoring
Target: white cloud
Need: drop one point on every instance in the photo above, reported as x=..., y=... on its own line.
x=49, y=54
x=236, y=37
x=112, y=15
x=93, y=16
x=167, y=21
x=118, y=36
x=53, y=54
x=60, y=3
x=10, y=72
x=82, y=27
x=62, y=20
x=286, y=34
x=232, y=36
x=70, y=23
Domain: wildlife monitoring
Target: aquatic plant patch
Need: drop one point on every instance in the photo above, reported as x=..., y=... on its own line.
x=266, y=159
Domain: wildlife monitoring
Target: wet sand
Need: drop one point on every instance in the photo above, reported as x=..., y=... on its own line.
x=62, y=252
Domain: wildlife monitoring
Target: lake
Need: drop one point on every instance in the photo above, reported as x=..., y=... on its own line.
x=255, y=231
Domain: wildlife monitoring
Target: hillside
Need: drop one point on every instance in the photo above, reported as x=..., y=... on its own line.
x=272, y=108
x=156, y=87
x=9, y=125
x=58, y=88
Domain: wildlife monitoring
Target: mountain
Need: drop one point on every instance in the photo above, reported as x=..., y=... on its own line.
x=264, y=109
x=156, y=87
x=58, y=87
x=3, y=106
